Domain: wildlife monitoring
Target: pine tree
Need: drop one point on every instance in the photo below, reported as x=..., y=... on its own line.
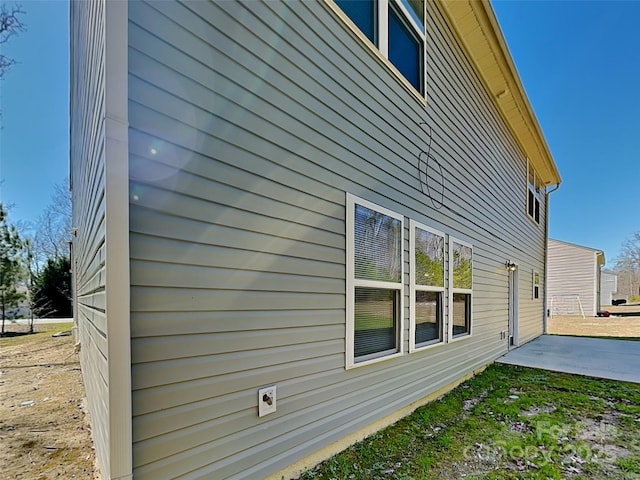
x=11, y=264
x=51, y=290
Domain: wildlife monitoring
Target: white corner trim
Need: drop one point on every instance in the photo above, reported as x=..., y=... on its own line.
x=116, y=161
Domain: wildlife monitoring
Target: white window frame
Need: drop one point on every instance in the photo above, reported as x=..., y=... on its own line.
x=413, y=287
x=452, y=290
x=382, y=31
x=536, y=191
x=535, y=284
x=352, y=282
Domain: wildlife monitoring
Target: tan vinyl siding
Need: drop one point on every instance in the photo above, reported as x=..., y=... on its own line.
x=248, y=123
x=573, y=270
x=88, y=189
x=98, y=160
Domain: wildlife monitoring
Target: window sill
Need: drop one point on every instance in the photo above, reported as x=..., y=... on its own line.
x=428, y=346
x=351, y=363
x=458, y=338
x=533, y=220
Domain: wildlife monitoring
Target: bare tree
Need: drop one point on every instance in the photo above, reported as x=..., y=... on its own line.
x=628, y=268
x=10, y=25
x=53, y=228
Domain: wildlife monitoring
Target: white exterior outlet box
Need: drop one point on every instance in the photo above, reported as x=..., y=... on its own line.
x=266, y=400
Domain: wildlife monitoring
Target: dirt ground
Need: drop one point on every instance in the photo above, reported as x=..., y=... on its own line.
x=44, y=432
x=621, y=323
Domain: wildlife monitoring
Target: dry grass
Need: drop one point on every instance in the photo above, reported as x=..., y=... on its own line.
x=595, y=326
x=44, y=433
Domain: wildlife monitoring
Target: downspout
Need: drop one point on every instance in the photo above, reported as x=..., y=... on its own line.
x=545, y=315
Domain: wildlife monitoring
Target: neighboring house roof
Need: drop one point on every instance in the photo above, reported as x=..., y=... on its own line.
x=599, y=253
x=480, y=33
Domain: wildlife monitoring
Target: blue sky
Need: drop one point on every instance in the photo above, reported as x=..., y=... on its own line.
x=34, y=100
x=578, y=60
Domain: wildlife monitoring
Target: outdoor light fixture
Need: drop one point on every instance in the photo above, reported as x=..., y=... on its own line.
x=509, y=265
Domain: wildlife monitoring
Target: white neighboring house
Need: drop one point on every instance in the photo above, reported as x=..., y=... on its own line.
x=573, y=278
x=608, y=287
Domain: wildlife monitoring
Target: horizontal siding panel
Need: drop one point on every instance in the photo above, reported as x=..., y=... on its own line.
x=198, y=209
x=283, y=257
x=190, y=300
x=183, y=346
x=185, y=369
x=249, y=122
x=155, y=274
x=210, y=190
x=155, y=234
x=149, y=324
x=174, y=168
x=169, y=395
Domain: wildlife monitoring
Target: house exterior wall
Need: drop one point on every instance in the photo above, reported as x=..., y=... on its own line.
x=249, y=124
x=98, y=157
x=608, y=287
x=572, y=269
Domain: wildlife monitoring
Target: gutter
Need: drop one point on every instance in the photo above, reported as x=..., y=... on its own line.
x=545, y=316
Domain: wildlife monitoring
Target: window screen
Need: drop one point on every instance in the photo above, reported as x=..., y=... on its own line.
x=428, y=315
x=375, y=283
x=462, y=274
x=375, y=323
x=429, y=255
x=377, y=246
x=461, y=271
x=427, y=285
x=461, y=313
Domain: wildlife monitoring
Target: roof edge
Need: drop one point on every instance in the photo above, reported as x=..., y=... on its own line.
x=478, y=30
x=597, y=250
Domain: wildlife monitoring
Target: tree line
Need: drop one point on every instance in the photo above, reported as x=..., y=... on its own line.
x=627, y=268
x=35, y=266
x=35, y=269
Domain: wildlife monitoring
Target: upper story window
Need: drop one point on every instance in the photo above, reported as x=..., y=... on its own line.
x=397, y=29
x=534, y=193
x=374, y=281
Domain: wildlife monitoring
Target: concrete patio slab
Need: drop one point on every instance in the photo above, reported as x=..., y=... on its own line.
x=594, y=357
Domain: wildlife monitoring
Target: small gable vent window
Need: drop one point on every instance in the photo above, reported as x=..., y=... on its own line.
x=397, y=29
x=536, y=285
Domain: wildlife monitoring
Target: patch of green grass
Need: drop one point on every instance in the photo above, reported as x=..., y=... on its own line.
x=629, y=464
x=506, y=423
